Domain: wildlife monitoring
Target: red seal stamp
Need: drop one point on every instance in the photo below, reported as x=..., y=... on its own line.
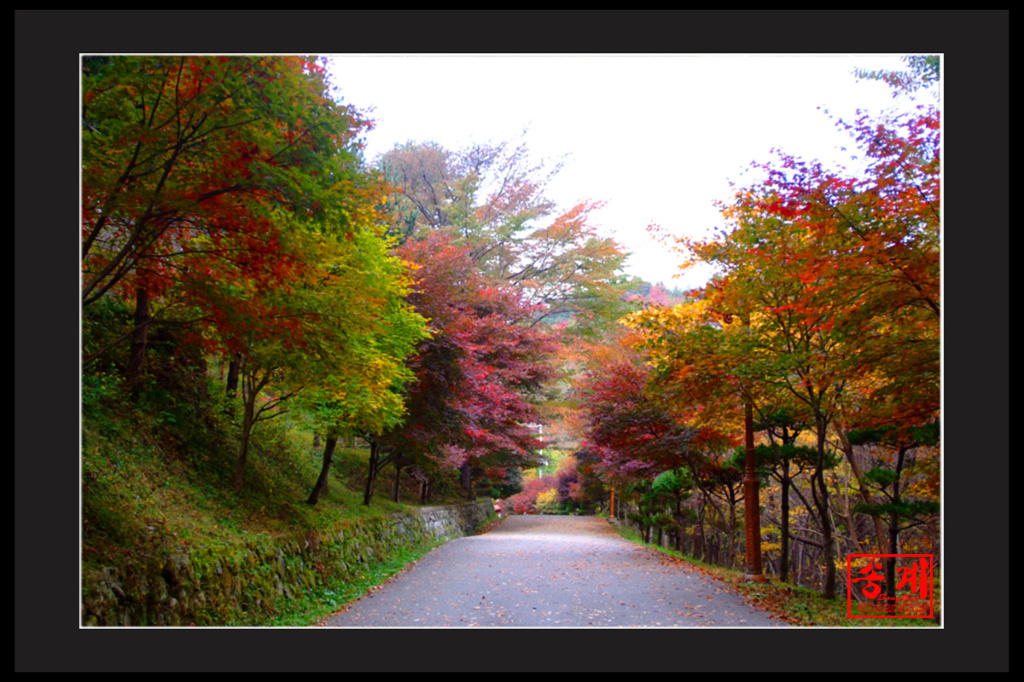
x=890, y=585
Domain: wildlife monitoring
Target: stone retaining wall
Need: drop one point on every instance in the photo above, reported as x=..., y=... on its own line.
x=245, y=584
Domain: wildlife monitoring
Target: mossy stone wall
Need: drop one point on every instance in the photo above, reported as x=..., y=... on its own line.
x=246, y=584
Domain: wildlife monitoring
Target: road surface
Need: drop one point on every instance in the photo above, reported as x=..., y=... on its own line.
x=550, y=571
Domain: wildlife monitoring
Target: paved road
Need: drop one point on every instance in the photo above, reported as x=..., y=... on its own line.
x=550, y=571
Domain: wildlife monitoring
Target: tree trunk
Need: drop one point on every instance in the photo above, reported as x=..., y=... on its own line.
x=700, y=532
x=396, y=488
x=325, y=469
x=681, y=524
x=243, y=450
x=140, y=332
x=799, y=563
x=853, y=537
x=465, y=474
x=819, y=489
x=252, y=385
x=784, y=553
x=371, y=473
x=731, y=544
x=894, y=526
x=232, y=382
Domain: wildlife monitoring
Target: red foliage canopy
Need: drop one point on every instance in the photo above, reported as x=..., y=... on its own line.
x=474, y=376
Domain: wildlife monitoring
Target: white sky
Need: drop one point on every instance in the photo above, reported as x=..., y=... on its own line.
x=657, y=137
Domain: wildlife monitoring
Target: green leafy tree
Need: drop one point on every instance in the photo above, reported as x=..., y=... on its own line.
x=372, y=330
x=676, y=486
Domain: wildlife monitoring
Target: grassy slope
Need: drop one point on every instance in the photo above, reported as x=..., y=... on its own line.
x=156, y=474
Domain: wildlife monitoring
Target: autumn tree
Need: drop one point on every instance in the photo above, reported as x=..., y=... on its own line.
x=637, y=429
x=525, y=501
x=490, y=199
x=588, y=490
x=335, y=334
x=470, y=401
x=195, y=164
x=227, y=195
x=835, y=279
x=874, y=237
x=688, y=347
x=371, y=330
x=791, y=341
x=701, y=356
x=633, y=433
